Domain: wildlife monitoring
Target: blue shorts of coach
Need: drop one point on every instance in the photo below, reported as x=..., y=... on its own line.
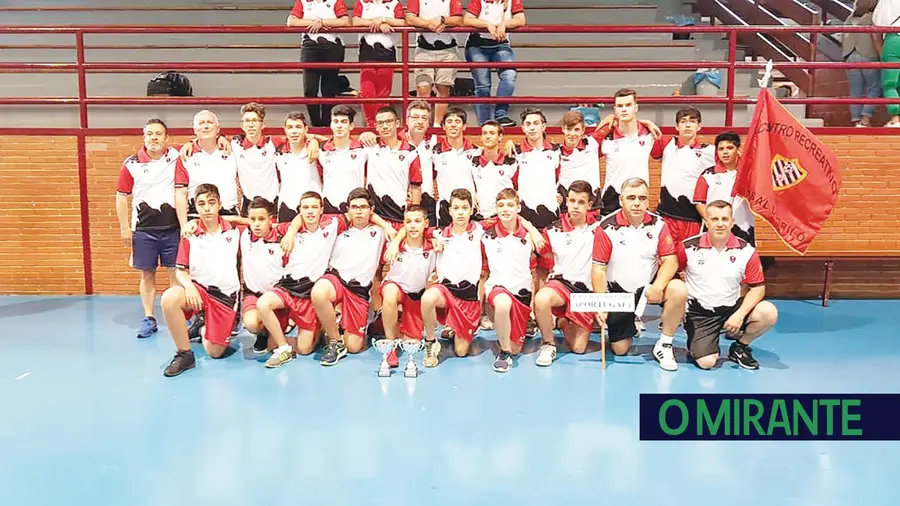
x=153, y=248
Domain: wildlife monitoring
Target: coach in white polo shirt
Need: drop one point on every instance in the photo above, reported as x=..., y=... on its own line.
x=717, y=265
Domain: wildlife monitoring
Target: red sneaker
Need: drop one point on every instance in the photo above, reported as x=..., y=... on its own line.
x=392, y=359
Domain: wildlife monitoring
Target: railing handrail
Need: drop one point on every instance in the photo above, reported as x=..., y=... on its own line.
x=281, y=8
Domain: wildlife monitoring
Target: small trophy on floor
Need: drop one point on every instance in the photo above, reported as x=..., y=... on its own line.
x=385, y=347
x=411, y=347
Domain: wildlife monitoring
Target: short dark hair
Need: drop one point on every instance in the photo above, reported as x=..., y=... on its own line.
x=207, y=189
x=256, y=107
x=359, y=193
x=580, y=187
x=157, y=121
x=572, y=119
x=387, y=109
x=494, y=123
x=345, y=111
x=729, y=136
x=533, y=110
x=719, y=204
x=688, y=112
x=462, y=194
x=310, y=195
x=262, y=203
x=625, y=92
x=508, y=193
x=419, y=104
x=455, y=111
x=297, y=116
x=416, y=208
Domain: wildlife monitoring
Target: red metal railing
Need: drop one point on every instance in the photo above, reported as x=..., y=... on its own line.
x=81, y=67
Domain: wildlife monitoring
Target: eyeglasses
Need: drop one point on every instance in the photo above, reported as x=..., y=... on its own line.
x=385, y=122
x=359, y=208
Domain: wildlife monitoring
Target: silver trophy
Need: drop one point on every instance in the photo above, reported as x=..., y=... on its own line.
x=385, y=347
x=411, y=347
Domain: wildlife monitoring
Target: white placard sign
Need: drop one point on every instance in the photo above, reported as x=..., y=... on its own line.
x=602, y=302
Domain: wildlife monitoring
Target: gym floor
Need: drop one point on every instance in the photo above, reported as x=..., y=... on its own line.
x=88, y=418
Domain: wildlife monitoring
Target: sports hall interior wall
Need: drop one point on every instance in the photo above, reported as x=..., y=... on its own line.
x=42, y=249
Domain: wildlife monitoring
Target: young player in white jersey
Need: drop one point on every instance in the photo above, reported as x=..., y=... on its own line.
x=452, y=162
x=297, y=167
x=342, y=161
x=255, y=156
x=492, y=170
x=508, y=252
x=208, y=281
x=579, y=159
x=634, y=253
x=726, y=291
x=717, y=182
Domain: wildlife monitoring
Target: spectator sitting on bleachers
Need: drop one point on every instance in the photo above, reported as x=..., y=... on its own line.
x=495, y=16
x=318, y=16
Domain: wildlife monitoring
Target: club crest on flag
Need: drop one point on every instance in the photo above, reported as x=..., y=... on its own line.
x=786, y=173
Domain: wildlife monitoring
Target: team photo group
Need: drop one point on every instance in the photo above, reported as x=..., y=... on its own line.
x=408, y=242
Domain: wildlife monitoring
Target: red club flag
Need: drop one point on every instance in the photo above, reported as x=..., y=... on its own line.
x=789, y=177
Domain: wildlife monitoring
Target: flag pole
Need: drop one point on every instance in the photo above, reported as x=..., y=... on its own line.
x=767, y=76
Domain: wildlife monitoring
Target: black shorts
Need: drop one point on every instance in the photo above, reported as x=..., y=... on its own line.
x=153, y=248
x=620, y=326
x=703, y=327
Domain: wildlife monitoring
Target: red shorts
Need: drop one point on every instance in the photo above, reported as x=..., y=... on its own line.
x=518, y=314
x=249, y=304
x=682, y=229
x=300, y=310
x=583, y=320
x=411, y=324
x=218, y=318
x=355, y=309
x=462, y=316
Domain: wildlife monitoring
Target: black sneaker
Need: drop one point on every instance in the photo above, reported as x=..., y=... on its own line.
x=503, y=361
x=741, y=354
x=506, y=122
x=196, y=324
x=334, y=351
x=262, y=343
x=182, y=361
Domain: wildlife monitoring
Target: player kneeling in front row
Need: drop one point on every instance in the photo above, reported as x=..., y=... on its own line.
x=634, y=253
x=509, y=250
x=403, y=287
x=717, y=265
x=208, y=282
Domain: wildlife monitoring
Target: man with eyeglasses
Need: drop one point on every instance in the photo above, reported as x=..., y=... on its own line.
x=356, y=255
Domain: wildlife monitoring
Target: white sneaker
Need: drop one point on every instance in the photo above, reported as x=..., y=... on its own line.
x=546, y=355
x=665, y=355
x=432, y=352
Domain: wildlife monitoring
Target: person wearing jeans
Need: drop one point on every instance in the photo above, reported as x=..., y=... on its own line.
x=318, y=16
x=862, y=48
x=496, y=17
x=887, y=14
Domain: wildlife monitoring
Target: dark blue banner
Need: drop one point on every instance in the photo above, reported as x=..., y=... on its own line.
x=776, y=417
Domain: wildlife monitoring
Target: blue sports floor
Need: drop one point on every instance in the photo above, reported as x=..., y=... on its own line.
x=88, y=419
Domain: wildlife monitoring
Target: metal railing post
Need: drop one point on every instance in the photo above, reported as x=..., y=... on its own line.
x=732, y=60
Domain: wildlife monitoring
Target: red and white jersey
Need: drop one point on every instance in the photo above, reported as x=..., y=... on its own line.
x=343, y=170
x=425, y=150
x=218, y=168
x=568, y=251
x=390, y=172
x=509, y=259
x=493, y=12
x=536, y=182
x=256, y=166
x=356, y=256
x=152, y=186
x=581, y=163
x=262, y=260
x=309, y=258
x=714, y=277
x=371, y=9
x=298, y=175
x=460, y=262
x=212, y=260
x=717, y=183
x=429, y=9
x=453, y=167
x=413, y=266
x=492, y=176
x=631, y=254
x=681, y=167
x=319, y=9
x=627, y=156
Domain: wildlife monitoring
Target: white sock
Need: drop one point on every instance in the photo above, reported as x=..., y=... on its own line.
x=284, y=349
x=664, y=339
